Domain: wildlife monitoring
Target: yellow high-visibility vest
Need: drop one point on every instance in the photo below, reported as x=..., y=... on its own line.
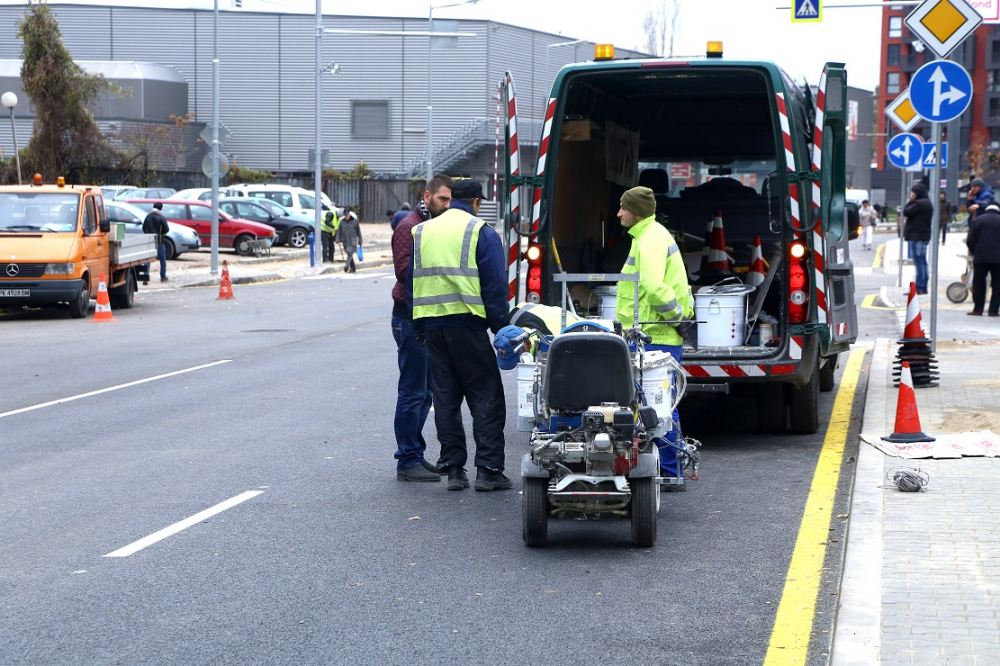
x=445, y=274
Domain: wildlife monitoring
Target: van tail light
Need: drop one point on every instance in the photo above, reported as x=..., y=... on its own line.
x=798, y=287
x=533, y=285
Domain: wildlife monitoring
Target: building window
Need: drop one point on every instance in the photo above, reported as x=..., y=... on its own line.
x=994, y=108
x=993, y=80
x=994, y=138
x=895, y=26
x=892, y=55
x=370, y=119
x=892, y=83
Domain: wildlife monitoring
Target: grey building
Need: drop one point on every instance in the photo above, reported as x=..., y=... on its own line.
x=373, y=110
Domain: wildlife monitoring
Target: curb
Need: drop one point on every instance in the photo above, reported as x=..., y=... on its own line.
x=275, y=277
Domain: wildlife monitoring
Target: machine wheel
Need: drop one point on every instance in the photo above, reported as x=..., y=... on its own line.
x=124, y=296
x=535, y=512
x=244, y=245
x=957, y=292
x=79, y=307
x=826, y=380
x=804, y=406
x=171, y=249
x=298, y=237
x=772, y=408
x=643, y=511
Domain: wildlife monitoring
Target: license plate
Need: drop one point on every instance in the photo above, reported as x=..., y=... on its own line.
x=15, y=292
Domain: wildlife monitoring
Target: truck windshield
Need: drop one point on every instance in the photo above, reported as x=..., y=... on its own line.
x=33, y=212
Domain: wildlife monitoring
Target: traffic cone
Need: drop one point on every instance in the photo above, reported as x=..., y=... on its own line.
x=755, y=275
x=907, y=420
x=717, y=259
x=914, y=324
x=102, y=311
x=225, y=286
x=708, y=242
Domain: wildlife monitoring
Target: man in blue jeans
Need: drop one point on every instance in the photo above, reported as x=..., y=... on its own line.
x=156, y=224
x=413, y=401
x=919, y=212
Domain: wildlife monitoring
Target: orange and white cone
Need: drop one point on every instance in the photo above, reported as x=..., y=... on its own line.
x=755, y=275
x=717, y=259
x=708, y=242
x=225, y=269
x=225, y=289
x=907, y=428
x=102, y=311
x=914, y=330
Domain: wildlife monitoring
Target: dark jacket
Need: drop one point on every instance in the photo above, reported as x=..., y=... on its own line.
x=349, y=233
x=984, y=199
x=398, y=217
x=402, y=253
x=919, y=213
x=984, y=239
x=492, y=284
x=155, y=224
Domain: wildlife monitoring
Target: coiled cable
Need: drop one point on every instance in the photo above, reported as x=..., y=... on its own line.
x=907, y=480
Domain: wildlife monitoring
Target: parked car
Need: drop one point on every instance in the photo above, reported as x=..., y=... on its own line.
x=291, y=197
x=276, y=208
x=145, y=193
x=202, y=193
x=180, y=239
x=111, y=191
x=293, y=231
x=233, y=232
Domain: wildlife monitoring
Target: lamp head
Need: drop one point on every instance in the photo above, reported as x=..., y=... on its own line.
x=9, y=100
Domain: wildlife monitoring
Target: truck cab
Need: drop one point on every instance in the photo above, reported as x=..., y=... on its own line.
x=722, y=143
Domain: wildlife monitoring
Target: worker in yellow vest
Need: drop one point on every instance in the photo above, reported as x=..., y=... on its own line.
x=664, y=295
x=458, y=289
x=328, y=230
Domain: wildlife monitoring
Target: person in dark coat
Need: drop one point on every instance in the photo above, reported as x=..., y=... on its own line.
x=349, y=235
x=944, y=217
x=156, y=225
x=984, y=246
x=919, y=213
x=980, y=196
x=403, y=211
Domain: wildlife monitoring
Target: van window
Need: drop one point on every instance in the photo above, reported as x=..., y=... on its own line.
x=306, y=201
x=89, y=217
x=283, y=198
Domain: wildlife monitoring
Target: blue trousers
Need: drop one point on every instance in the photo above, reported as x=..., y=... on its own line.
x=161, y=254
x=918, y=253
x=413, y=398
x=668, y=455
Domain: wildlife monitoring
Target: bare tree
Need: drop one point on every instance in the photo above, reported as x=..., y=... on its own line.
x=660, y=28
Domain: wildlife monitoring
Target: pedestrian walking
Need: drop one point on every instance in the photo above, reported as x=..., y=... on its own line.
x=917, y=231
x=869, y=220
x=664, y=294
x=397, y=217
x=349, y=235
x=328, y=230
x=157, y=225
x=458, y=289
x=984, y=246
x=944, y=217
x=413, y=395
x=980, y=196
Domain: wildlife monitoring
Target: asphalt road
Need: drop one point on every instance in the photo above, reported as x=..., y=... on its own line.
x=336, y=561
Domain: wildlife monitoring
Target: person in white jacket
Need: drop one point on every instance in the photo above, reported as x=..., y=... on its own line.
x=869, y=220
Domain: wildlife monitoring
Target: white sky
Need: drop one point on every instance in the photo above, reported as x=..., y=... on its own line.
x=749, y=29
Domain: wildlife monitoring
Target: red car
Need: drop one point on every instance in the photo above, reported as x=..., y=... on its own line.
x=242, y=235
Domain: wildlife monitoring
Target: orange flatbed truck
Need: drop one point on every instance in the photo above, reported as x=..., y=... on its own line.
x=56, y=241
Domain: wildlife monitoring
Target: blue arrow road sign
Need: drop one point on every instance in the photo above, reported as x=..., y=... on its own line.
x=940, y=91
x=905, y=150
x=928, y=157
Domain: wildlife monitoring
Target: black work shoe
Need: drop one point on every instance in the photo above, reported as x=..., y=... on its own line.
x=457, y=478
x=417, y=473
x=432, y=468
x=487, y=479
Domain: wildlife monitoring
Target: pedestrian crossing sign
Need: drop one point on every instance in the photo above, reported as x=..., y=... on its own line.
x=807, y=11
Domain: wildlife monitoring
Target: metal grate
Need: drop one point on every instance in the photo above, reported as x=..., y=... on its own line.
x=12, y=270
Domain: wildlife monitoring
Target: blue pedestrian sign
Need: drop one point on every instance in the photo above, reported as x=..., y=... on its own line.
x=905, y=150
x=929, y=155
x=941, y=91
x=807, y=11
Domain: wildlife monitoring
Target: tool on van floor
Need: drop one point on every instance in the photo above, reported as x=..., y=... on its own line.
x=102, y=311
x=915, y=347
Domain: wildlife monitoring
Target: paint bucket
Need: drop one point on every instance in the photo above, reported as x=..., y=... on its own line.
x=658, y=383
x=607, y=295
x=526, y=399
x=721, y=312
x=766, y=333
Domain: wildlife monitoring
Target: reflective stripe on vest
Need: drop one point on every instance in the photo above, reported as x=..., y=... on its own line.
x=445, y=274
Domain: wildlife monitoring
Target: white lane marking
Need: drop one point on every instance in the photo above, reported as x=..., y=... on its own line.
x=111, y=388
x=345, y=276
x=184, y=524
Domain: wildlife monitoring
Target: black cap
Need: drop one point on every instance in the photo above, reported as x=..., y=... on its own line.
x=467, y=189
x=158, y=205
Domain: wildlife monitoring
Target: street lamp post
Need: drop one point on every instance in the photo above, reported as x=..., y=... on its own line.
x=9, y=100
x=430, y=80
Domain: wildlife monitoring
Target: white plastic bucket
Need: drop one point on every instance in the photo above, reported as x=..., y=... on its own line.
x=525, y=397
x=722, y=315
x=607, y=296
x=658, y=383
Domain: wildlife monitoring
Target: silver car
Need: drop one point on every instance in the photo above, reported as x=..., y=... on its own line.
x=179, y=239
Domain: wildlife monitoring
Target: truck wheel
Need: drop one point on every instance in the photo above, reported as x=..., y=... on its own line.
x=79, y=306
x=772, y=408
x=826, y=380
x=244, y=245
x=643, y=511
x=804, y=406
x=171, y=249
x=535, y=512
x=298, y=237
x=124, y=296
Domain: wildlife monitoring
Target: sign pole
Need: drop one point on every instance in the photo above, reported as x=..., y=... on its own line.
x=936, y=199
x=899, y=222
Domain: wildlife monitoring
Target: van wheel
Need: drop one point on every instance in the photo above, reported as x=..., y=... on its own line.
x=79, y=306
x=124, y=296
x=804, y=405
x=535, y=512
x=298, y=237
x=772, y=408
x=826, y=380
x=244, y=245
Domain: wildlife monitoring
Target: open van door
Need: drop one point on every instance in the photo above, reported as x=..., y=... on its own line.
x=839, y=275
x=512, y=180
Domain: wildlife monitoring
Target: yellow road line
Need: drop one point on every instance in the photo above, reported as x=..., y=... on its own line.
x=794, y=621
x=869, y=303
x=879, y=254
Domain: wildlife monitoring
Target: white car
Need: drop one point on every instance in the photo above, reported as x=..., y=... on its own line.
x=203, y=193
x=296, y=199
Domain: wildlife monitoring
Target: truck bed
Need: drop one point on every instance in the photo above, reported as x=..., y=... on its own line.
x=132, y=250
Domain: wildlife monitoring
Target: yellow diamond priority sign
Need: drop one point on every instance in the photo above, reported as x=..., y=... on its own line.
x=902, y=113
x=943, y=24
